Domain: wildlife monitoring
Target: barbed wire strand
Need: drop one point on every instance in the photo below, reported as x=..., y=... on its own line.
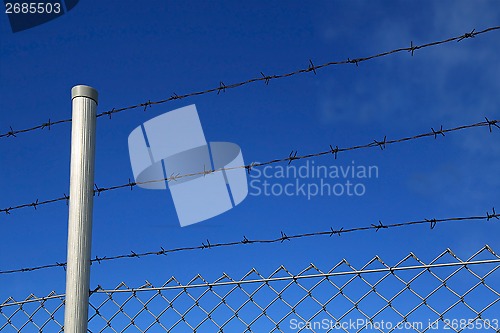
x=291, y=157
x=262, y=78
x=281, y=239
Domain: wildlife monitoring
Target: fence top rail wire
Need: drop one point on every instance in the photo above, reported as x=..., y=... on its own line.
x=226, y=280
x=298, y=277
x=281, y=239
x=262, y=78
x=382, y=144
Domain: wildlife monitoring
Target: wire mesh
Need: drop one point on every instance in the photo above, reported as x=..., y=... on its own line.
x=447, y=293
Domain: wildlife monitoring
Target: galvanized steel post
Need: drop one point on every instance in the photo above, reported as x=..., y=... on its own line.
x=84, y=100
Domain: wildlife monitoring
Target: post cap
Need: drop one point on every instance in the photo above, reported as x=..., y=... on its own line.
x=84, y=91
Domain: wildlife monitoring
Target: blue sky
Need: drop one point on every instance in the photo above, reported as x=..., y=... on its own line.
x=132, y=53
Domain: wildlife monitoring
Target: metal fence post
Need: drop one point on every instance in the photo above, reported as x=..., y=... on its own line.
x=84, y=100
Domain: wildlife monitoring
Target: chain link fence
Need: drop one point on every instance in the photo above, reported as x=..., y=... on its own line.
x=446, y=294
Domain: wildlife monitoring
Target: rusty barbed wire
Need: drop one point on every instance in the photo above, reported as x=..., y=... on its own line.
x=281, y=239
x=263, y=77
x=291, y=157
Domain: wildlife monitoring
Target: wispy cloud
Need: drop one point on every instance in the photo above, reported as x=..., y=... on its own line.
x=452, y=83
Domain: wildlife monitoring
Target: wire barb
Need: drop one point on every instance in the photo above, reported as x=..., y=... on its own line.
x=59, y=264
x=205, y=171
x=334, y=151
x=284, y=237
x=148, y=103
x=250, y=166
x=412, y=48
x=311, y=67
x=266, y=78
x=437, y=132
x=98, y=190
x=471, y=34
x=34, y=204
x=109, y=113
x=492, y=215
x=222, y=87
x=432, y=222
x=47, y=124
x=381, y=144
x=492, y=123
x=206, y=246
x=354, y=61
x=338, y=232
x=292, y=156
x=11, y=132
x=379, y=226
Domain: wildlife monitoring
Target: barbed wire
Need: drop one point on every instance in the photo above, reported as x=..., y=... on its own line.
x=281, y=239
x=262, y=78
x=291, y=157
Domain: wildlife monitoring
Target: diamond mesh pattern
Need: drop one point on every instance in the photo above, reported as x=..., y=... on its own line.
x=448, y=292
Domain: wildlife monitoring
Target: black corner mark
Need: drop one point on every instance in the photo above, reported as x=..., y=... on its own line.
x=24, y=14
